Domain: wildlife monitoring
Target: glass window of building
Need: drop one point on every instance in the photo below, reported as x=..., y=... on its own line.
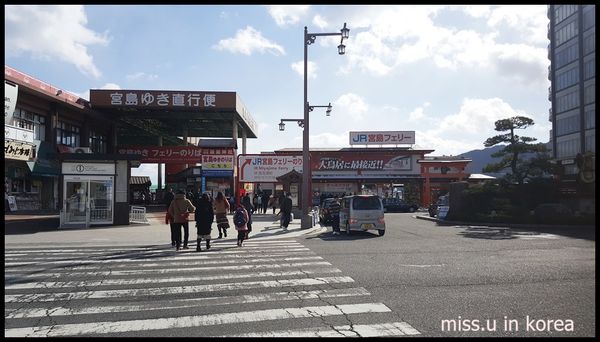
x=568, y=146
x=590, y=118
x=562, y=12
x=589, y=17
x=589, y=69
x=589, y=93
x=567, y=101
x=567, y=78
x=567, y=125
x=566, y=33
x=67, y=134
x=566, y=55
x=98, y=142
x=590, y=141
x=589, y=43
x=31, y=121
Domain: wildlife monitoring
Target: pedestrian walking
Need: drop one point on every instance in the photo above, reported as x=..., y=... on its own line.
x=221, y=207
x=204, y=218
x=240, y=221
x=179, y=210
x=286, y=211
x=258, y=202
x=265, y=202
x=247, y=204
x=334, y=211
x=272, y=202
x=168, y=198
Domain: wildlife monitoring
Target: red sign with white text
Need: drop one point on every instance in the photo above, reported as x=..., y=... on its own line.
x=173, y=154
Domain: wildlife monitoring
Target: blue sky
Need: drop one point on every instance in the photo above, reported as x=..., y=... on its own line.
x=446, y=72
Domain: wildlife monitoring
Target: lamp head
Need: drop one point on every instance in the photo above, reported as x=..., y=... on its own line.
x=281, y=126
x=328, y=111
x=341, y=49
x=345, y=32
x=58, y=92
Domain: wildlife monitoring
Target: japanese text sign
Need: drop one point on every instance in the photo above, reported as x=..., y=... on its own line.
x=162, y=99
x=173, y=154
x=217, y=162
x=17, y=150
x=382, y=138
x=266, y=168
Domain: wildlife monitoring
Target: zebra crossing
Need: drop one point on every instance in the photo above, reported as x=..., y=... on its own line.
x=267, y=288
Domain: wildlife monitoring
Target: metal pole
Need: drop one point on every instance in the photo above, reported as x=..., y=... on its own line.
x=306, y=177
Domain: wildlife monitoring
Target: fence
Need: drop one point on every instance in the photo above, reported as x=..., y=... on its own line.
x=138, y=215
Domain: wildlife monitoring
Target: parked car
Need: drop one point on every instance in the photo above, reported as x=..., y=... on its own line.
x=398, y=205
x=324, y=215
x=435, y=207
x=362, y=212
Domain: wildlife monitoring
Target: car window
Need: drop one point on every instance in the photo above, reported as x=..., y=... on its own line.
x=366, y=203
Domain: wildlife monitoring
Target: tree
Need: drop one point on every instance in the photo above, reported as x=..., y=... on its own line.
x=517, y=147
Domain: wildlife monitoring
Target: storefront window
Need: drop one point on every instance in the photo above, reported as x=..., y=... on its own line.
x=67, y=134
x=98, y=142
x=31, y=121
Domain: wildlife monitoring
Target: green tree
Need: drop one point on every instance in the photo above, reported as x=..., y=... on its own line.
x=512, y=155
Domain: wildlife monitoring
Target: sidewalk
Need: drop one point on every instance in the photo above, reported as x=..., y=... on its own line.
x=264, y=227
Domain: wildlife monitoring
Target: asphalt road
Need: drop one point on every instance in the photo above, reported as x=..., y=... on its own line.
x=419, y=279
x=440, y=279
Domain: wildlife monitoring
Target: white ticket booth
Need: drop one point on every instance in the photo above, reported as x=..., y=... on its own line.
x=88, y=193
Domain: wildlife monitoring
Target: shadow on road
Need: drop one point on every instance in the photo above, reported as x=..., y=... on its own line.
x=354, y=235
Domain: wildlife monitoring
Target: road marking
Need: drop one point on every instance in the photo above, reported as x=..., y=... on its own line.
x=139, y=281
x=142, y=250
x=188, y=302
x=168, y=264
x=161, y=291
x=168, y=270
x=195, y=321
x=421, y=265
x=178, y=256
x=357, y=330
x=151, y=254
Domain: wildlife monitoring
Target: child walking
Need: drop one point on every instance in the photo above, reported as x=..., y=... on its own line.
x=240, y=220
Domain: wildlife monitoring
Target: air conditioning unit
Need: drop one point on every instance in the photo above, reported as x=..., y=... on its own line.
x=82, y=150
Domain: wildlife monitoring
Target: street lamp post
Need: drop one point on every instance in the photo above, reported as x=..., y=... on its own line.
x=310, y=38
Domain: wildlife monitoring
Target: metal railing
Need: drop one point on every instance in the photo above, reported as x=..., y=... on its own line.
x=138, y=215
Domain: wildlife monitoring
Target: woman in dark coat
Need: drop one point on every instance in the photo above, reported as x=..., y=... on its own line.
x=204, y=217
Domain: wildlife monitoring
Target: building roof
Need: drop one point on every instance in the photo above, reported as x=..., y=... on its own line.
x=140, y=180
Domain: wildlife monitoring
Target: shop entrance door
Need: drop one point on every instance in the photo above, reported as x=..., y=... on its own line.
x=88, y=199
x=76, y=197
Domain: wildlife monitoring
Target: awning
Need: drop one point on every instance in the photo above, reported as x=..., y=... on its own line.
x=46, y=161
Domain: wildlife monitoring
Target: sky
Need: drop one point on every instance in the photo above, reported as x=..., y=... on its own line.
x=447, y=72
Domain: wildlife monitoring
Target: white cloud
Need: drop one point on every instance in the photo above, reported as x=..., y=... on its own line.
x=320, y=22
x=402, y=35
x=351, y=105
x=86, y=94
x=311, y=66
x=247, y=41
x=418, y=113
x=287, y=14
x=49, y=32
x=468, y=128
x=141, y=75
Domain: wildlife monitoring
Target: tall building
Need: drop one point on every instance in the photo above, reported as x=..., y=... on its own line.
x=572, y=73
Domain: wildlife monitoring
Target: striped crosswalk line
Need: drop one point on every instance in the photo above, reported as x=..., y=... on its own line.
x=99, y=291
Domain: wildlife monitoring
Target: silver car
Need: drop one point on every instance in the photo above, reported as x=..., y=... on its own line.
x=362, y=212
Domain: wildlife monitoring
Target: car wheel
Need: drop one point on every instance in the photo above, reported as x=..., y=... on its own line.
x=381, y=232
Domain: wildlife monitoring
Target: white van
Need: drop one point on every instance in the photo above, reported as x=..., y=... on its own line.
x=362, y=212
